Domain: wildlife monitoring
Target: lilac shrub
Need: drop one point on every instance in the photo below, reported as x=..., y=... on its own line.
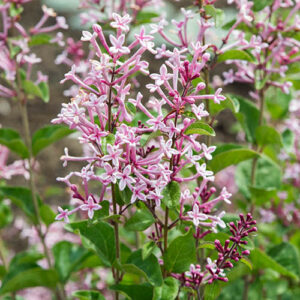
x=159, y=208
x=139, y=161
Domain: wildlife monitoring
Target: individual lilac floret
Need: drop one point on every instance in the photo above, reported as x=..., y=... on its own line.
x=90, y=206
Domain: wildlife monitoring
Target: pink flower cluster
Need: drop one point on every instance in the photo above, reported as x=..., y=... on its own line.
x=16, y=52
x=101, y=112
x=272, y=47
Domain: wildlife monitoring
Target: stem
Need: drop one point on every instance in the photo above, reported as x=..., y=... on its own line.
x=246, y=288
x=116, y=227
x=24, y=114
x=2, y=255
x=207, y=119
x=60, y=294
x=254, y=162
x=166, y=229
x=201, y=253
x=114, y=201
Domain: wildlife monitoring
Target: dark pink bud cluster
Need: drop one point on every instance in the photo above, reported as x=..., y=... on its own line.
x=242, y=229
x=229, y=251
x=191, y=278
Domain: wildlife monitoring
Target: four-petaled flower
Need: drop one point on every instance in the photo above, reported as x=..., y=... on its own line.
x=126, y=179
x=63, y=214
x=207, y=151
x=137, y=193
x=111, y=174
x=162, y=77
x=167, y=148
x=121, y=22
x=199, y=111
x=117, y=45
x=113, y=154
x=156, y=123
x=196, y=215
x=226, y=195
x=90, y=206
x=218, y=97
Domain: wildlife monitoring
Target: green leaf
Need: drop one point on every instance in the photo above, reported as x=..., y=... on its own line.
x=230, y=103
x=44, y=89
x=15, y=10
x=144, y=17
x=39, y=39
x=102, y=236
x=12, y=140
x=168, y=291
x=200, y=128
x=6, y=215
x=207, y=245
x=149, y=265
x=103, y=212
x=28, y=277
x=286, y=255
x=261, y=4
x=23, y=272
x=22, y=197
x=260, y=260
x=288, y=140
x=225, y=159
x=131, y=107
x=247, y=262
x=30, y=88
x=171, y=194
x=180, y=253
x=248, y=116
x=147, y=249
x=277, y=103
x=25, y=257
x=88, y=295
x=47, y=214
x=67, y=257
x=212, y=291
x=109, y=139
x=135, y=291
x=262, y=195
x=48, y=135
x=267, y=175
x=216, y=13
x=235, y=54
x=266, y=135
x=140, y=221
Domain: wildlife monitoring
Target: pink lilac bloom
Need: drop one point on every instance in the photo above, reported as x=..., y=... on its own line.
x=273, y=47
x=124, y=160
x=90, y=206
x=23, y=59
